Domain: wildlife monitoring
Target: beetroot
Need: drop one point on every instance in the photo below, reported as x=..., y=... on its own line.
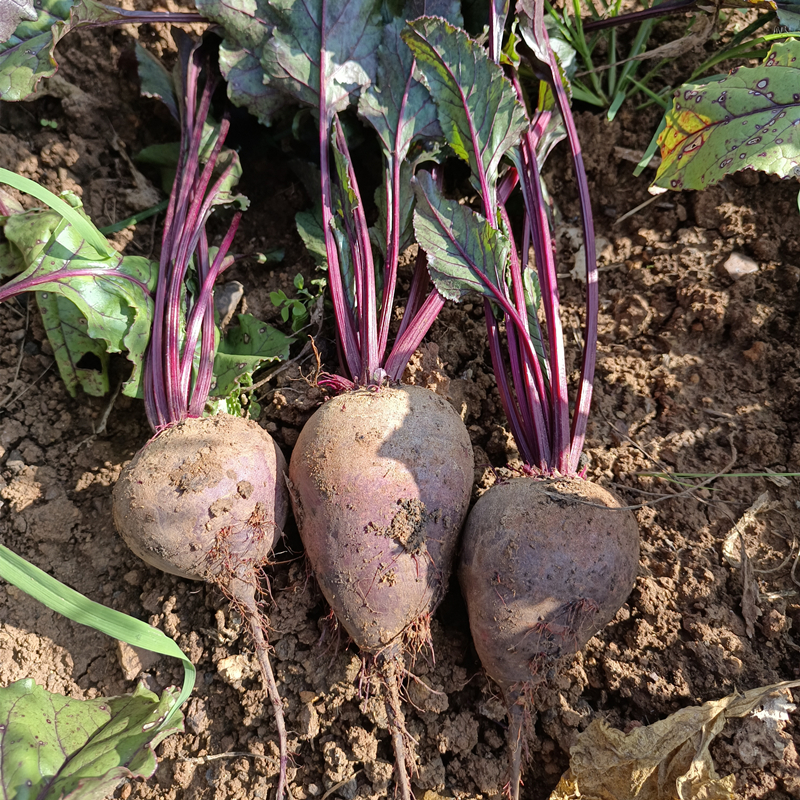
x=204, y=495
x=545, y=565
x=548, y=558
x=534, y=590
x=380, y=484
x=204, y=499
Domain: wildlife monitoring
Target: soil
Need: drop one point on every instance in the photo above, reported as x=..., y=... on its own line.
x=698, y=371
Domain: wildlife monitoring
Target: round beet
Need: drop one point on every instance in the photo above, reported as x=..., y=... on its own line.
x=545, y=564
x=203, y=496
x=206, y=499
x=380, y=484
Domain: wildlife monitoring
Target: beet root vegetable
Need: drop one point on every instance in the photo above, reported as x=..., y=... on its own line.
x=536, y=591
x=380, y=485
x=548, y=559
x=204, y=499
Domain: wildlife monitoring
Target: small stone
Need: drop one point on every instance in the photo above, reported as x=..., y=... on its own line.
x=739, y=265
x=233, y=668
x=313, y=789
x=348, y=790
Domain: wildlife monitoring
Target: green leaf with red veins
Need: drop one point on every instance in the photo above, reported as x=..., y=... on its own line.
x=465, y=254
x=112, y=292
x=749, y=119
x=324, y=51
x=478, y=108
x=247, y=26
x=398, y=106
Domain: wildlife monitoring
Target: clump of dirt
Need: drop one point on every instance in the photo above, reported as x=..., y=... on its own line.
x=698, y=372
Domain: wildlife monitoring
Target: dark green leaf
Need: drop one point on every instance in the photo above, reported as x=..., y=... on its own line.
x=82, y=361
x=446, y=9
x=749, y=119
x=53, y=746
x=156, y=80
x=309, y=226
x=398, y=106
x=478, y=108
x=323, y=53
x=243, y=350
x=465, y=254
x=248, y=26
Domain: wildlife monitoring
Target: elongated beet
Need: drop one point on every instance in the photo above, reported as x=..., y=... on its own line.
x=545, y=564
x=380, y=485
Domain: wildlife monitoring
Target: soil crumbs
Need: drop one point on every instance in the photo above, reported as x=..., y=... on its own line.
x=698, y=372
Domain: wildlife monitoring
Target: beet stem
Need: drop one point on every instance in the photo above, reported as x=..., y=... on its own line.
x=397, y=722
x=242, y=592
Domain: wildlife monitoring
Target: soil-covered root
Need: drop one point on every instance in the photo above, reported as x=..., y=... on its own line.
x=380, y=484
x=545, y=564
x=200, y=492
x=206, y=499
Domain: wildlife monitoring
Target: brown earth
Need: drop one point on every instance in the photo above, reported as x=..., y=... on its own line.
x=697, y=372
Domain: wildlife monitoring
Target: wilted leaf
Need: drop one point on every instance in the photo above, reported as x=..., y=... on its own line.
x=53, y=746
x=668, y=760
x=749, y=119
x=82, y=361
x=244, y=349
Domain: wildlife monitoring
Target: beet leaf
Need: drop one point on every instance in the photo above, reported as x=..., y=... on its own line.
x=484, y=120
x=27, y=52
x=478, y=110
x=747, y=119
x=110, y=293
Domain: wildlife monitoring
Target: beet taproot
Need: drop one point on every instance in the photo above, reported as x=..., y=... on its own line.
x=545, y=564
x=206, y=499
x=380, y=485
x=202, y=497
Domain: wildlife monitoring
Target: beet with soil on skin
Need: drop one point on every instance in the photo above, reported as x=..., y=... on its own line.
x=381, y=481
x=380, y=484
x=204, y=497
x=545, y=564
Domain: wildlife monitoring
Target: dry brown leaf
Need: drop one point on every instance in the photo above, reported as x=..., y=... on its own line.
x=668, y=760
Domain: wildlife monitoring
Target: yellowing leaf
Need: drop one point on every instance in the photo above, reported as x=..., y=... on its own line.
x=748, y=119
x=668, y=760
